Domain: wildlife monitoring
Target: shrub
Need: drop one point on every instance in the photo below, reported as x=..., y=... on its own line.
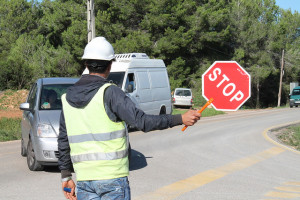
x=10, y=129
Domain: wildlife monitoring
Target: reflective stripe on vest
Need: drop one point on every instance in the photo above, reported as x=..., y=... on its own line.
x=99, y=156
x=99, y=146
x=97, y=136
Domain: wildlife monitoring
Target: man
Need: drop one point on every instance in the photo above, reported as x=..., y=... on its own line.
x=93, y=136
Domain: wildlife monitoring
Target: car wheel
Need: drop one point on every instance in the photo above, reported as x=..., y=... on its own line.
x=296, y=106
x=291, y=106
x=23, y=149
x=32, y=163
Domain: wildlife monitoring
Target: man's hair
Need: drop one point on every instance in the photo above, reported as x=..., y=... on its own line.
x=97, y=66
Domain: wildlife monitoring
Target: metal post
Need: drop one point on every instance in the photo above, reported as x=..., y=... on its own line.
x=280, y=82
x=90, y=20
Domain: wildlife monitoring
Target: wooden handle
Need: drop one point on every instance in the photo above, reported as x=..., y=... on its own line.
x=200, y=111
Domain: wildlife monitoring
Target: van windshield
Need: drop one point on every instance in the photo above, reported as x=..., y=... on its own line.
x=183, y=93
x=116, y=78
x=296, y=92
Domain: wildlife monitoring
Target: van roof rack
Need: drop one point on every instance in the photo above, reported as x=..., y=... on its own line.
x=130, y=56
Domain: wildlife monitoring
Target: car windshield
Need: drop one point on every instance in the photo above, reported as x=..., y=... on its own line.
x=296, y=92
x=51, y=96
x=183, y=93
x=116, y=78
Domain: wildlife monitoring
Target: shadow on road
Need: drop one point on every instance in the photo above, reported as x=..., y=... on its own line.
x=137, y=160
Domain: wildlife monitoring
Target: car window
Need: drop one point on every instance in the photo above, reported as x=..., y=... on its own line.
x=50, y=98
x=179, y=92
x=187, y=93
x=296, y=92
x=183, y=93
x=32, y=96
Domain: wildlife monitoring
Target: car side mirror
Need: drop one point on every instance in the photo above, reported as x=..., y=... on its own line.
x=25, y=106
x=289, y=96
x=130, y=88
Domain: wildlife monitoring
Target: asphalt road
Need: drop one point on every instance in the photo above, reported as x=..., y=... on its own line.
x=226, y=157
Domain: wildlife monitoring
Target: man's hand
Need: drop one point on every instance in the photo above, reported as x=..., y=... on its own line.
x=190, y=117
x=69, y=184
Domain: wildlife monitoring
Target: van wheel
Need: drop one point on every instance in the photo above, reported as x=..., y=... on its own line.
x=32, y=163
x=162, y=111
x=23, y=149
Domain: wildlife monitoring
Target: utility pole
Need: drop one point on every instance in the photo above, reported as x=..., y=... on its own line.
x=90, y=20
x=280, y=82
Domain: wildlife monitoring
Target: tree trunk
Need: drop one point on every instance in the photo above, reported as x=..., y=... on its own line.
x=257, y=94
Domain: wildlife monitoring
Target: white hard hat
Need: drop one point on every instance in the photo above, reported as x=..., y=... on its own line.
x=99, y=49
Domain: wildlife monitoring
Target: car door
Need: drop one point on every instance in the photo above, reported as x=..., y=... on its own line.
x=27, y=121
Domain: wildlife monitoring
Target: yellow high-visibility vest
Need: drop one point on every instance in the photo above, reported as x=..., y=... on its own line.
x=99, y=146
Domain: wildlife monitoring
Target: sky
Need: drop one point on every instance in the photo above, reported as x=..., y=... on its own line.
x=289, y=4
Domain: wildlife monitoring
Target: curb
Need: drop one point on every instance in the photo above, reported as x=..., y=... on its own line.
x=270, y=139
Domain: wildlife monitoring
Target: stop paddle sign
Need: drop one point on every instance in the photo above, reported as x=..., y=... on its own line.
x=228, y=84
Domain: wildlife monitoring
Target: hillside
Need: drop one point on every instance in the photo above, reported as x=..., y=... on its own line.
x=10, y=101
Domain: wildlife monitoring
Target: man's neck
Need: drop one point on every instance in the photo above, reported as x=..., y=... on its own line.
x=97, y=74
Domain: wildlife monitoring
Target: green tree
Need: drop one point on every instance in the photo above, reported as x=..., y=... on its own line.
x=16, y=18
x=251, y=24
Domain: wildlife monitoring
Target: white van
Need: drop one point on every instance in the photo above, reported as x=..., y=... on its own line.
x=144, y=80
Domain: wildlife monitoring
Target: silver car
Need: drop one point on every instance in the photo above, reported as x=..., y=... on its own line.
x=40, y=121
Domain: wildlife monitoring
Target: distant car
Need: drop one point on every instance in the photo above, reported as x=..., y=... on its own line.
x=40, y=121
x=295, y=97
x=183, y=97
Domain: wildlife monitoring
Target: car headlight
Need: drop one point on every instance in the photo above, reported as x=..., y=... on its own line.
x=45, y=130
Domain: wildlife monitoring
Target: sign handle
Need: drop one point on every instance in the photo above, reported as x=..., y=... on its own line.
x=200, y=111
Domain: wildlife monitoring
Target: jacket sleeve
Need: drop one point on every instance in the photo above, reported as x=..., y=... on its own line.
x=124, y=109
x=64, y=159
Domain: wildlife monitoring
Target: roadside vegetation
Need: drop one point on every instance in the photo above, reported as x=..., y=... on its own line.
x=10, y=129
x=10, y=115
x=206, y=113
x=291, y=136
x=11, y=99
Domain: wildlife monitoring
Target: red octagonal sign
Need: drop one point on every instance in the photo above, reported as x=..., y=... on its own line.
x=228, y=84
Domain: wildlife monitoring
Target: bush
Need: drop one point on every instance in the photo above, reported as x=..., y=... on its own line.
x=10, y=129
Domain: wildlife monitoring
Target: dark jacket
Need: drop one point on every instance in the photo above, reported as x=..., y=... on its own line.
x=118, y=106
